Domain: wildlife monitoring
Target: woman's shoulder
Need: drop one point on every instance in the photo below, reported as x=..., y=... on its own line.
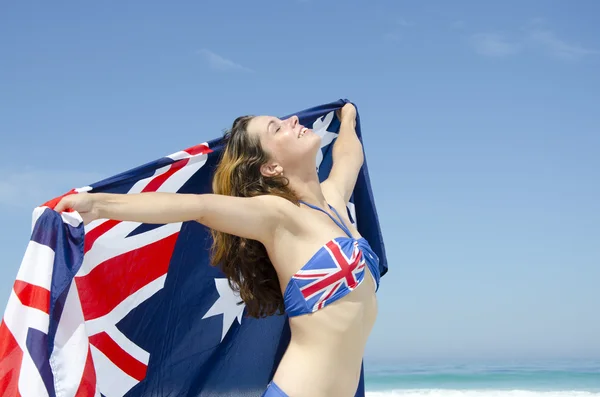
x=286, y=209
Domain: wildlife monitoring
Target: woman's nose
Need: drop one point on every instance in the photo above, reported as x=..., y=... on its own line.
x=294, y=120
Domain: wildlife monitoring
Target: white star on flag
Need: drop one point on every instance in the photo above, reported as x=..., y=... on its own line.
x=320, y=128
x=227, y=305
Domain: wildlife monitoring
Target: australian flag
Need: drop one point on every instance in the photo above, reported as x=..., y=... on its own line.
x=127, y=309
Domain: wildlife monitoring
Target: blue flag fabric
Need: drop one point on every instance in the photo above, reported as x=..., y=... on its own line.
x=128, y=309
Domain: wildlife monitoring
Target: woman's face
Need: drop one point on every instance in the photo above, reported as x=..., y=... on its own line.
x=289, y=143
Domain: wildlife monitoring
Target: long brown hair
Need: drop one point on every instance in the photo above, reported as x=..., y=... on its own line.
x=245, y=262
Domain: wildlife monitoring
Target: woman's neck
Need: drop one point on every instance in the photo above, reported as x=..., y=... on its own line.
x=308, y=188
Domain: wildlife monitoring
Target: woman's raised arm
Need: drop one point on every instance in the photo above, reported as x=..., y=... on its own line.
x=253, y=217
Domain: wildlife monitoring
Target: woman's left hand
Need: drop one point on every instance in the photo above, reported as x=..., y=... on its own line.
x=347, y=112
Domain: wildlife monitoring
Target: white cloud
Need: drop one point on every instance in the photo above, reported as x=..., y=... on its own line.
x=537, y=21
x=392, y=36
x=400, y=24
x=459, y=24
x=30, y=187
x=217, y=62
x=404, y=23
x=547, y=41
x=494, y=45
x=535, y=37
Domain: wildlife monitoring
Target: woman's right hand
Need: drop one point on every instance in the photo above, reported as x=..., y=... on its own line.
x=83, y=203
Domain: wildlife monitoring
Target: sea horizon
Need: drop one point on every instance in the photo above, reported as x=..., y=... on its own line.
x=478, y=378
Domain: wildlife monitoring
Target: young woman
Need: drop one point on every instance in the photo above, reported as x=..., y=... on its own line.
x=284, y=240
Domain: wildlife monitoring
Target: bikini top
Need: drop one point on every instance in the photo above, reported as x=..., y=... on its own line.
x=335, y=270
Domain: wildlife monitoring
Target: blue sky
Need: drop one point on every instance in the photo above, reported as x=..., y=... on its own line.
x=480, y=122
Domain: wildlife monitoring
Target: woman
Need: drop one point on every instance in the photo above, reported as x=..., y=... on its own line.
x=277, y=235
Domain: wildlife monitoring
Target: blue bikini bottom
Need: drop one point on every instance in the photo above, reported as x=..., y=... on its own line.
x=274, y=391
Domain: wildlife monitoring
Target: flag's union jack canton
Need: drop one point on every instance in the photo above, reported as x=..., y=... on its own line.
x=128, y=309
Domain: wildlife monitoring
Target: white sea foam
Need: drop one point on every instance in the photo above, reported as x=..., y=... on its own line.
x=479, y=393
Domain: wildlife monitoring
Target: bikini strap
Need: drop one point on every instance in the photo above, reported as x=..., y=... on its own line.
x=341, y=226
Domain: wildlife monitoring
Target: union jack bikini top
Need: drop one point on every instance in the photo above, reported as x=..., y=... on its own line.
x=334, y=271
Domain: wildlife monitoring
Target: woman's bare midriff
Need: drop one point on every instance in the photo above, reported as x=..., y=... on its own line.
x=326, y=348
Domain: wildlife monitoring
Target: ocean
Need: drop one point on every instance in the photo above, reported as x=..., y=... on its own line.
x=539, y=379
